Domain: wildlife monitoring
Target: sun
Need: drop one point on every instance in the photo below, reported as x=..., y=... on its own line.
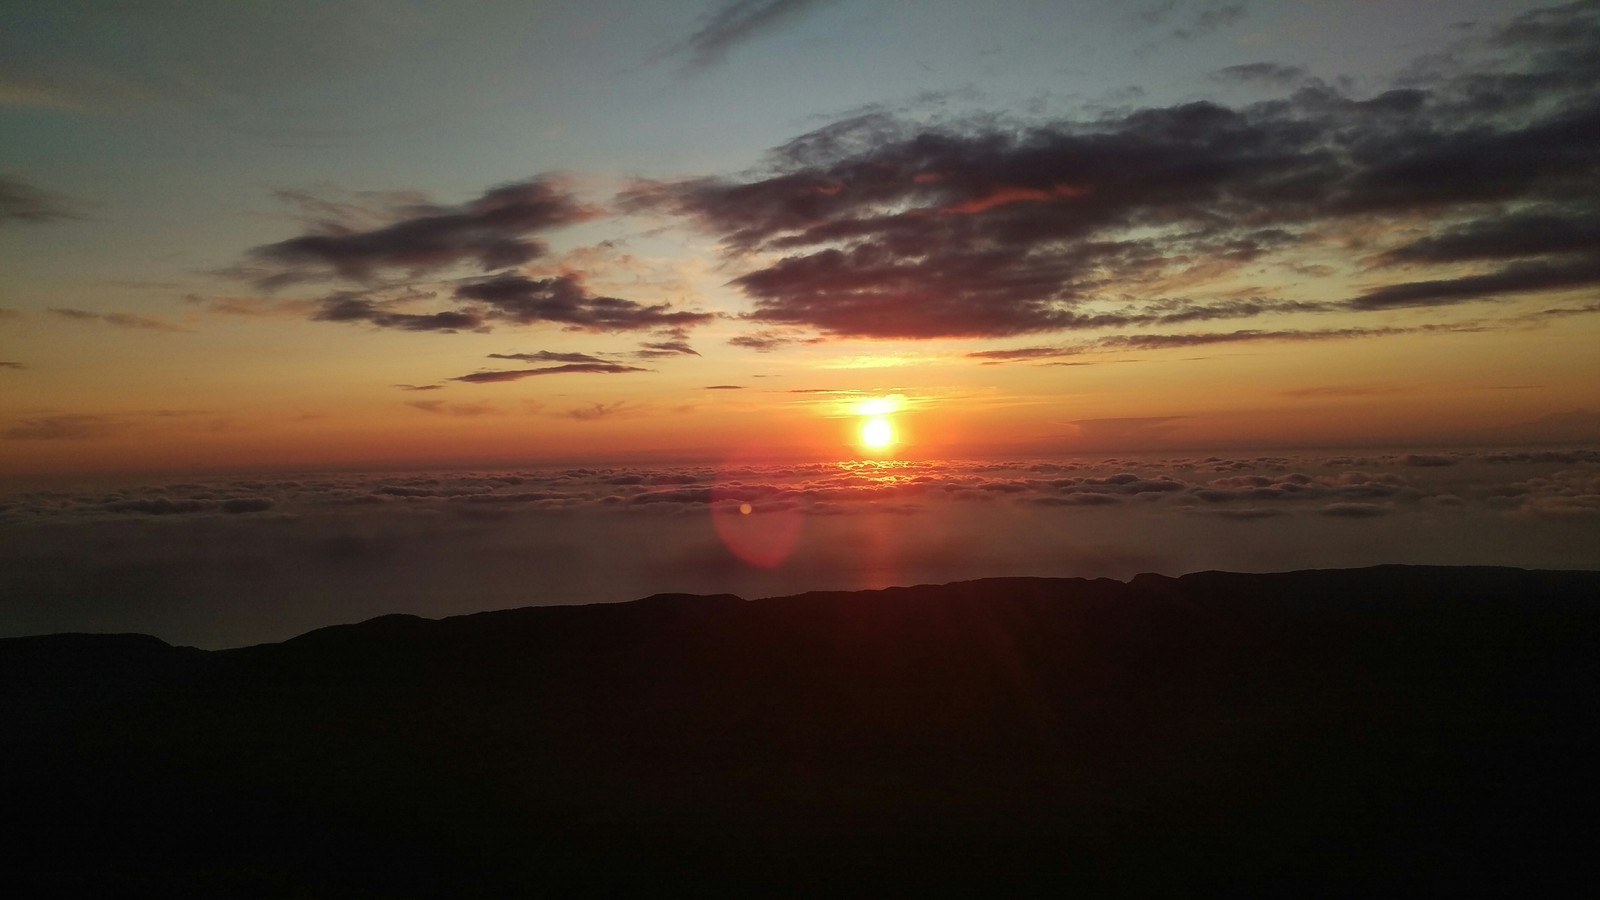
x=877, y=433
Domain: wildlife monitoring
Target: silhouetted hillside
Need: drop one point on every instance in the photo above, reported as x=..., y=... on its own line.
x=1426, y=730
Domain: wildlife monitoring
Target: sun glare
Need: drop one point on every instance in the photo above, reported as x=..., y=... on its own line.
x=877, y=433
x=878, y=406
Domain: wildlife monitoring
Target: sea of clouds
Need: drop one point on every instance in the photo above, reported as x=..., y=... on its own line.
x=228, y=561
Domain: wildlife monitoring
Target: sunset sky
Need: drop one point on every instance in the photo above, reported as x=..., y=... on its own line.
x=318, y=311
x=305, y=234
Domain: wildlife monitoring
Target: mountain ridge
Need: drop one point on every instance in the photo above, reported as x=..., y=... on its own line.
x=1415, y=728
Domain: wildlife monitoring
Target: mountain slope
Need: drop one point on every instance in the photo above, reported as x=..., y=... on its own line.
x=1425, y=729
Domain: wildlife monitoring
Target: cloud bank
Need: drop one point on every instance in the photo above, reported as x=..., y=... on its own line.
x=294, y=552
x=885, y=228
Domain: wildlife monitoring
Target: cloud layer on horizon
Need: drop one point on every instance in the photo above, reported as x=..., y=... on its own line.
x=1494, y=479
x=229, y=560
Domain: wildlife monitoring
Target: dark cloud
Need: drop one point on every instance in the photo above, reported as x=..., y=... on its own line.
x=1355, y=510
x=563, y=300
x=1107, y=485
x=1249, y=513
x=199, y=501
x=1084, y=499
x=659, y=349
x=1564, y=457
x=738, y=22
x=238, y=505
x=22, y=202
x=511, y=299
x=880, y=227
x=1189, y=19
x=998, y=356
x=769, y=340
x=1561, y=312
x=159, y=506
x=1428, y=460
x=1553, y=229
x=548, y=356
x=1276, y=74
x=1173, y=312
x=1162, y=341
x=120, y=320
x=67, y=427
x=675, y=495
x=571, y=368
x=355, y=308
x=1517, y=278
x=491, y=231
x=1200, y=339
x=420, y=387
x=6, y=364
x=724, y=387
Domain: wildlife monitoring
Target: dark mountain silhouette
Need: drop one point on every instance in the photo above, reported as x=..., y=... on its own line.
x=1346, y=733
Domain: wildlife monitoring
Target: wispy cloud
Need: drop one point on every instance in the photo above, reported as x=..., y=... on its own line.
x=662, y=349
x=23, y=203
x=596, y=411
x=738, y=22
x=549, y=356
x=1209, y=338
x=441, y=408
x=1186, y=20
x=768, y=340
x=569, y=369
x=1275, y=74
x=119, y=320
x=1334, y=391
x=66, y=427
x=254, y=307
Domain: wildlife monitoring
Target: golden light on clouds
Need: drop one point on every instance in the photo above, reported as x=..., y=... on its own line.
x=878, y=406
